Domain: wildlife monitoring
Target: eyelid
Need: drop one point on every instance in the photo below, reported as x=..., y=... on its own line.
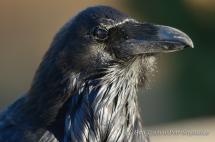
x=96, y=33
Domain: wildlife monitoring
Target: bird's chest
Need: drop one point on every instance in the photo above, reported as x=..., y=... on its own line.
x=102, y=113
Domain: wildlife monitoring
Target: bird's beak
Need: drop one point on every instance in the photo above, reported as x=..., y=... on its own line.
x=148, y=38
x=171, y=39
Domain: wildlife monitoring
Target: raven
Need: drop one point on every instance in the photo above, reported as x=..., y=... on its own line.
x=85, y=88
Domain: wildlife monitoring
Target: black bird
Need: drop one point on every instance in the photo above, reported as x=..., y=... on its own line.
x=85, y=88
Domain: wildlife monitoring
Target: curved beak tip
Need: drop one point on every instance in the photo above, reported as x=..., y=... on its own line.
x=190, y=43
x=186, y=40
x=171, y=34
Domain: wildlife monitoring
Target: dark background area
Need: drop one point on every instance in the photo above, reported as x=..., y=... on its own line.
x=184, y=88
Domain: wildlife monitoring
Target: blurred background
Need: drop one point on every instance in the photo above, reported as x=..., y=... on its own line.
x=183, y=95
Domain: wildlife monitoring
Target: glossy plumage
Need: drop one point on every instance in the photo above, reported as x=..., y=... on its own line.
x=85, y=89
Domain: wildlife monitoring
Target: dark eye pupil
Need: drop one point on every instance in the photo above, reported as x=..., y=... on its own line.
x=100, y=33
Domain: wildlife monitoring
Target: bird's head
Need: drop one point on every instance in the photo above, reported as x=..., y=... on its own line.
x=100, y=35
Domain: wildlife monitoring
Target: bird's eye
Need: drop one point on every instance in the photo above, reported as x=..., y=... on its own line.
x=100, y=33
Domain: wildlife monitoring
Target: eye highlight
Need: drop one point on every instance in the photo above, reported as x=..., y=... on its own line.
x=100, y=33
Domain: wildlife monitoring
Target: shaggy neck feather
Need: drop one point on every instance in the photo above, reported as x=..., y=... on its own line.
x=106, y=108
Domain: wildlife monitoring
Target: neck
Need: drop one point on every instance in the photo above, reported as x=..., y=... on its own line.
x=50, y=89
x=105, y=108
